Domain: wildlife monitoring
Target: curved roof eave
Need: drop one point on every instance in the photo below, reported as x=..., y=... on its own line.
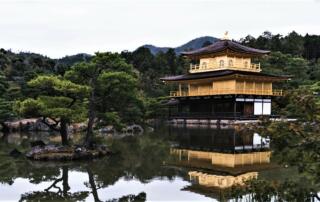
x=223, y=45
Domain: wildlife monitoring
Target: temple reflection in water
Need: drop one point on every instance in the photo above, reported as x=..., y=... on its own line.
x=219, y=158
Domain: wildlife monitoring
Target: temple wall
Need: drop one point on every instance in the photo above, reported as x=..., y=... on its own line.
x=227, y=62
x=224, y=85
x=196, y=89
x=230, y=86
x=253, y=86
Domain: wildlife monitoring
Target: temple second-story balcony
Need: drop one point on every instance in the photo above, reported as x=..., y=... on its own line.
x=206, y=67
x=208, y=92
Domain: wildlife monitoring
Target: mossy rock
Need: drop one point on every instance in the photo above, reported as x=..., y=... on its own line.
x=57, y=153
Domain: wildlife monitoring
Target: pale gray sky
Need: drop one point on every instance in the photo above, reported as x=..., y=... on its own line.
x=64, y=27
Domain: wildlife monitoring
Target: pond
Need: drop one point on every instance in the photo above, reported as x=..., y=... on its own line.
x=168, y=164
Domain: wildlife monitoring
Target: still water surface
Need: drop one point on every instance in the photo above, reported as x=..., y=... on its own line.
x=169, y=164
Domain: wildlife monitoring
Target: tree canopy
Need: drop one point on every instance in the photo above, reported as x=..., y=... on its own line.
x=59, y=103
x=114, y=98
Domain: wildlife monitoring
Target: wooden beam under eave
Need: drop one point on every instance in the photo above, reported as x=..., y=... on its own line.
x=261, y=78
x=233, y=76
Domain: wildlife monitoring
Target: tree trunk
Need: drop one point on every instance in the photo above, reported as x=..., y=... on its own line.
x=91, y=114
x=5, y=128
x=4, y=138
x=64, y=132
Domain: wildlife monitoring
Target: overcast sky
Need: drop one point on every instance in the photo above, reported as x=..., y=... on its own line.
x=63, y=27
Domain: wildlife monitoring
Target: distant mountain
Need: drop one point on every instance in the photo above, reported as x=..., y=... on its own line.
x=191, y=45
x=72, y=59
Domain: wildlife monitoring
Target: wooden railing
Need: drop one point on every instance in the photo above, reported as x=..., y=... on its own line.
x=225, y=92
x=255, y=66
x=194, y=68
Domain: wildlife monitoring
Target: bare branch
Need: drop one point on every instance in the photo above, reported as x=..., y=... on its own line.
x=52, y=127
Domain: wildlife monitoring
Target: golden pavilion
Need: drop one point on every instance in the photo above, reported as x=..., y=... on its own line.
x=222, y=83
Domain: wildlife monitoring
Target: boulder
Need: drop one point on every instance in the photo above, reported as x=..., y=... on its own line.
x=39, y=143
x=37, y=126
x=78, y=127
x=107, y=129
x=15, y=153
x=136, y=129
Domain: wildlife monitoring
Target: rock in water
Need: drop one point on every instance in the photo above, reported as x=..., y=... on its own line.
x=15, y=153
x=37, y=143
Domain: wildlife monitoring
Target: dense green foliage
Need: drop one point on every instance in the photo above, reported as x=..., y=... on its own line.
x=6, y=112
x=152, y=67
x=294, y=44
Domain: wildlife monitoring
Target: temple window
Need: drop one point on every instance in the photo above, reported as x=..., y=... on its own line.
x=246, y=64
x=204, y=65
x=221, y=63
x=230, y=63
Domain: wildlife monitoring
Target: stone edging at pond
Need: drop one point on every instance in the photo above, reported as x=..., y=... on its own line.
x=35, y=124
x=52, y=152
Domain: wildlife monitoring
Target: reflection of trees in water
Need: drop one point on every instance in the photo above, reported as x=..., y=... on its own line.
x=55, y=192
x=137, y=158
x=92, y=185
x=131, y=197
x=12, y=168
x=62, y=193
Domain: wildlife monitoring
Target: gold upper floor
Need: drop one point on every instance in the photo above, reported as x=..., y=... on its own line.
x=226, y=87
x=225, y=62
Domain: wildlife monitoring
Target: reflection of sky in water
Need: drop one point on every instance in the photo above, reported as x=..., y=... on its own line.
x=156, y=190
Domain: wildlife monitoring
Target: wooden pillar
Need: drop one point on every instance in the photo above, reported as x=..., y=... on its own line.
x=180, y=94
x=179, y=108
x=234, y=141
x=235, y=108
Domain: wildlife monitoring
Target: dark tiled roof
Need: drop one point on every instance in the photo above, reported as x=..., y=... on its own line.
x=214, y=74
x=223, y=45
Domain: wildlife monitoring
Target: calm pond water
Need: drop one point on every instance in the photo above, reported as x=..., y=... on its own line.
x=169, y=164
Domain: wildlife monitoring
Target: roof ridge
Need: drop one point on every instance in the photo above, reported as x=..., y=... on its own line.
x=223, y=44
